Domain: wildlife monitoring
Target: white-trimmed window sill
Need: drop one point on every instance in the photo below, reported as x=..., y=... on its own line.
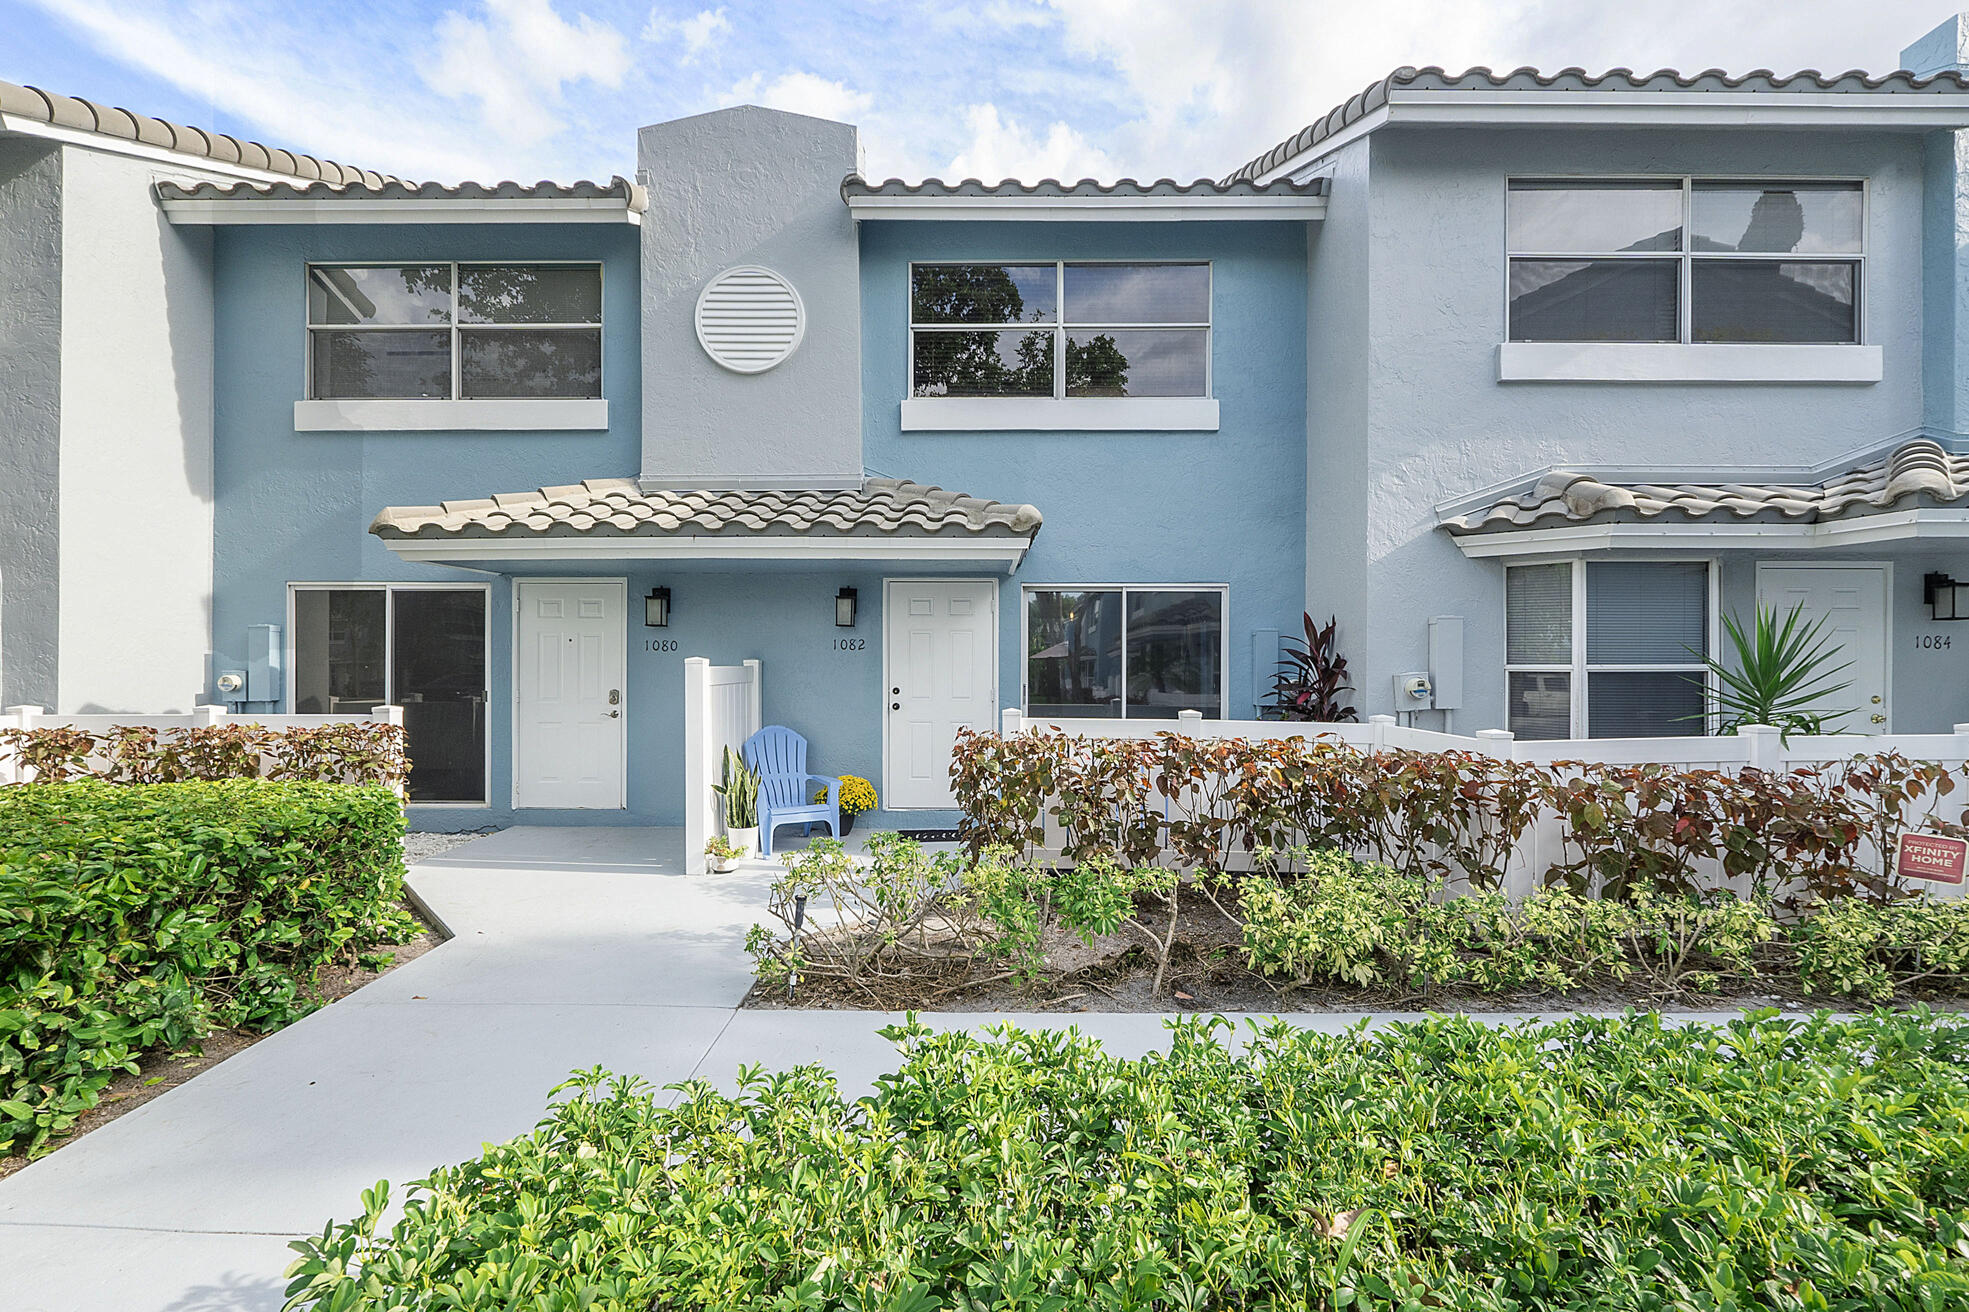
x=1107, y=414
x=386, y=416
x=1685, y=362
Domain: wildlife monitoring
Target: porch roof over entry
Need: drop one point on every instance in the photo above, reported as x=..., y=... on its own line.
x=885, y=519
x=1918, y=490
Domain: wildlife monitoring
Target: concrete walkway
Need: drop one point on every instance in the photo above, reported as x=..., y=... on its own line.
x=573, y=948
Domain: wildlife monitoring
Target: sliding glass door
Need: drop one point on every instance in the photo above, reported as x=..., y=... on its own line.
x=421, y=648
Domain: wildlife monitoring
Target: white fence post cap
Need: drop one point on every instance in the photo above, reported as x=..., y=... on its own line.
x=1190, y=715
x=1497, y=735
x=1962, y=728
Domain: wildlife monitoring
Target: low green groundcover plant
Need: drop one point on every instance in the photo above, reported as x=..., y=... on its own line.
x=138, y=916
x=1591, y=1164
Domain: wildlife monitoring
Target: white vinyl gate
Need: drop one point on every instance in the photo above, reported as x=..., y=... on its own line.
x=721, y=709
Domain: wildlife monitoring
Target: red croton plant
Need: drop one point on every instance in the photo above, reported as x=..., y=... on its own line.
x=133, y=754
x=1809, y=834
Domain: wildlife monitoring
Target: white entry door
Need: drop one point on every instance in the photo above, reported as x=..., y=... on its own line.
x=569, y=714
x=940, y=660
x=1855, y=599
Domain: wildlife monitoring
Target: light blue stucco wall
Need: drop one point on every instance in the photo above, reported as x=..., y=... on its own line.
x=1422, y=212
x=1126, y=507
x=296, y=507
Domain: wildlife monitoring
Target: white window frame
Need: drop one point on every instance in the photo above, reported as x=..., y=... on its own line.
x=389, y=657
x=1687, y=258
x=1578, y=669
x=1223, y=590
x=456, y=331
x=1061, y=326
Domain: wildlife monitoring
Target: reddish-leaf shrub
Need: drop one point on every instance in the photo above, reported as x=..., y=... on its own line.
x=1811, y=835
x=351, y=752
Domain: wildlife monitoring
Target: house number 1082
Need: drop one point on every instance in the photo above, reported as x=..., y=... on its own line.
x=851, y=644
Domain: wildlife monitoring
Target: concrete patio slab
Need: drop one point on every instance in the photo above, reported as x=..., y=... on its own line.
x=574, y=947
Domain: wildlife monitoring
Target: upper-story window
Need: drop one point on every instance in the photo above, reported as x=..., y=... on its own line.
x=1685, y=260
x=454, y=331
x=1059, y=330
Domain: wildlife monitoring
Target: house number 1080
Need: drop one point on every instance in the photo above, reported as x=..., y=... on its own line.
x=659, y=644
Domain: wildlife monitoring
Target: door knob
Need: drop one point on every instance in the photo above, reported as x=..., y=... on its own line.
x=1879, y=718
x=895, y=706
x=613, y=714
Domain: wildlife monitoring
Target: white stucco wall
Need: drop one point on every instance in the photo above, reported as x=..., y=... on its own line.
x=136, y=444
x=30, y=417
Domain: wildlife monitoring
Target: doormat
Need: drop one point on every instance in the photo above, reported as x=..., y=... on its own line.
x=930, y=835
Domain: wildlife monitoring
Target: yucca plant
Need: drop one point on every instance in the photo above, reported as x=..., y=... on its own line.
x=1311, y=683
x=740, y=789
x=1780, y=673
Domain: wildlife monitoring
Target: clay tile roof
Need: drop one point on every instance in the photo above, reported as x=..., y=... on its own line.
x=1918, y=473
x=1376, y=95
x=617, y=188
x=856, y=185
x=605, y=507
x=34, y=104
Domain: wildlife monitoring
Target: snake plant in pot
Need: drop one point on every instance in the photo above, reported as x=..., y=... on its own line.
x=740, y=789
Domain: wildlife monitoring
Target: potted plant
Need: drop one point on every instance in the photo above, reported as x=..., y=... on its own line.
x=723, y=852
x=857, y=795
x=740, y=790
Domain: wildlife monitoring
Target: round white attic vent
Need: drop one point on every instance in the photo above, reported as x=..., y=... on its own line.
x=749, y=319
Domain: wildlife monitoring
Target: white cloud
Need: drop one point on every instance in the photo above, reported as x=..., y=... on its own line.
x=281, y=90
x=1211, y=85
x=804, y=93
x=999, y=148
x=698, y=32
x=518, y=59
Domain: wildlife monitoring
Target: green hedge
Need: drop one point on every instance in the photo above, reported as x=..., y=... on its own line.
x=139, y=916
x=1591, y=1164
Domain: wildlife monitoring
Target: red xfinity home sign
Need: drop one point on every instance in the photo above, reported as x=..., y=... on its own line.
x=1931, y=857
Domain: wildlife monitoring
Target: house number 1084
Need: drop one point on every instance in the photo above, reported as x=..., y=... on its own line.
x=1932, y=641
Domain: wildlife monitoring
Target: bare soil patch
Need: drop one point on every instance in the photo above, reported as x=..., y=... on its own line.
x=1206, y=975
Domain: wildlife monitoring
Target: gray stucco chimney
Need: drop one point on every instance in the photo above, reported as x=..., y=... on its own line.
x=1944, y=50
x=738, y=188
x=1944, y=242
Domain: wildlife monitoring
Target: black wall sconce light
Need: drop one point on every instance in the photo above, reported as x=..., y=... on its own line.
x=844, y=609
x=1946, y=599
x=656, y=608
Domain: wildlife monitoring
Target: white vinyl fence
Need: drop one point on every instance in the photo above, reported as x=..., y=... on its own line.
x=721, y=709
x=36, y=717
x=1756, y=746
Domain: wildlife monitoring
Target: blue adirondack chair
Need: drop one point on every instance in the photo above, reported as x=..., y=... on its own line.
x=779, y=757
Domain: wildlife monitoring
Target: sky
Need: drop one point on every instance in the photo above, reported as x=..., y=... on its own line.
x=532, y=89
